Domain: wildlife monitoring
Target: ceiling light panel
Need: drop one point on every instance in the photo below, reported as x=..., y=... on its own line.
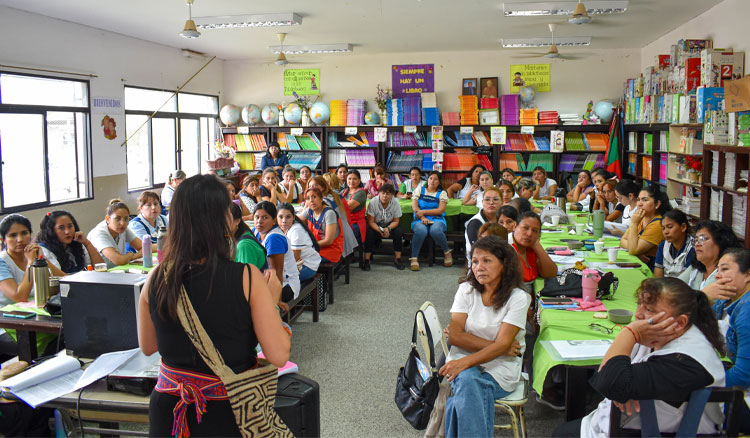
x=311, y=48
x=237, y=21
x=535, y=9
x=545, y=42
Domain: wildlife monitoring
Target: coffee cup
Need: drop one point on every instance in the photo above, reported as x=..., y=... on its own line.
x=580, y=228
x=555, y=220
x=571, y=219
x=612, y=254
x=598, y=247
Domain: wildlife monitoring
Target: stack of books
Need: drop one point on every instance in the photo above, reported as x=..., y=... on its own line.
x=306, y=142
x=249, y=161
x=571, y=119
x=574, y=141
x=715, y=168
x=244, y=142
x=509, y=109
x=716, y=205
x=338, y=113
x=451, y=119
x=298, y=160
x=430, y=113
x=360, y=157
x=404, y=140
x=544, y=160
x=512, y=161
x=529, y=116
x=595, y=141
x=739, y=213
x=548, y=118
x=395, y=112
x=730, y=163
x=489, y=103
x=481, y=138
x=402, y=162
x=578, y=162
x=464, y=160
x=355, y=112
x=412, y=107
x=469, y=113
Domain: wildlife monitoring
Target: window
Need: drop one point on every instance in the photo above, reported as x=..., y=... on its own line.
x=179, y=136
x=45, y=145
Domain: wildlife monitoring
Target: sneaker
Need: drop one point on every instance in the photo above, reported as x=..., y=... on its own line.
x=366, y=265
x=414, y=263
x=552, y=399
x=448, y=260
x=399, y=264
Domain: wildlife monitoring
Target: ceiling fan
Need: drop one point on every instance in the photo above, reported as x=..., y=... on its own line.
x=281, y=58
x=580, y=16
x=553, y=52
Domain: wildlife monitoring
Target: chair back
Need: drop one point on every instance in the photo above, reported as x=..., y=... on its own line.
x=438, y=338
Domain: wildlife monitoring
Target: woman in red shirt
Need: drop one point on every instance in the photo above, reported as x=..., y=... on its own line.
x=534, y=259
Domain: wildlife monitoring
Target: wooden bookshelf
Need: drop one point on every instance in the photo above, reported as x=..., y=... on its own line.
x=645, y=143
x=729, y=195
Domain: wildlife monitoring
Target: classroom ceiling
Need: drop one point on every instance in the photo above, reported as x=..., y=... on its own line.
x=374, y=26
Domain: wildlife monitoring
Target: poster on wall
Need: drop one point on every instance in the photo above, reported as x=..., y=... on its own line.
x=303, y=81
x=530, y=75
x=410, y=79
x=109, y=127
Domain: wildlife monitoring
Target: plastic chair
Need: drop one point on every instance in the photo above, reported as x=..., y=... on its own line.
x=438, y=337
x=513, y=405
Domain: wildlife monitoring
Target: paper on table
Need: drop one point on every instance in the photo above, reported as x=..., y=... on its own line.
x=50, y=390
x=45, y=371
x=104, y=365
x=605, y=265
x=140, y=365
x=609, y=224
x=580, y=350
x=571, y=259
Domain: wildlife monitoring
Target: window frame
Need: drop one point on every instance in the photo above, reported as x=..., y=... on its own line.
x=177, y=116
x=43, y=110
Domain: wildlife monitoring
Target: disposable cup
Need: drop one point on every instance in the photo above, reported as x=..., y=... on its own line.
x=612, y=254
x=598, y=247
x=580, y=228
x=555, y=220
x=571, y=219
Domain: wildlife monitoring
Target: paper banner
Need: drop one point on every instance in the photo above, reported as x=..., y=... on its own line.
x=530, y=75
x=412, y=79
x=303, y=81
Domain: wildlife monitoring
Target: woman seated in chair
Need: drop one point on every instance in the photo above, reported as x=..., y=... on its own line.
x=245, y=246
x=410, y=185
x=488, y=320
x=488, y=213
x=149, y=219
x=289, y=186
x=507, y=216
x=644, y=234
x=507, y=191
x=428, y=205
x=325, y=224
x=579, y=196
x=249, y=196
x=474, y=195
x=110, y=236
x=666, y=353
x=383, y=216
x=304, y=246
x=64, y=245
x=546, y=187
x=356, y=197
x=279, y=254
x=534, y=260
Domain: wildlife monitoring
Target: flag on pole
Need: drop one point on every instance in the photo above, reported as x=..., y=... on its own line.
x=612, y=157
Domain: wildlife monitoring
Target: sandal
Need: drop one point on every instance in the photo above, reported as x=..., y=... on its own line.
x=414, y=263
x=448, y=260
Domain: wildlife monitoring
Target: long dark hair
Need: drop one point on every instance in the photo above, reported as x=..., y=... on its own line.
x=723, y=237
x=471, y=171
x=659, y=196
x=511, y=276
x=741, y=256
x=198, y=231
x=685, y=301
x=242, y=227
x=8, y=222
x=627, y=187
x=289, y=207
x=48, y=238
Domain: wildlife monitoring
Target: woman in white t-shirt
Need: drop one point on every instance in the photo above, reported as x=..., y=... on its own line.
x=278, y=251
x=486, y=333
x=411, y=185
x=475, y=194
x=626, y=192
x=64, y=245
x=459, y=189
x=110, y=236
x=291, y=189
x=546, y=187
x=304, y=246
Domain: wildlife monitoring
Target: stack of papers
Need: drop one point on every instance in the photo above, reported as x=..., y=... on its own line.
x=715, y=168
x=355, y=112
x=548, y=117
x=360, y=157
x=739, y=213
x=451, y=119
x=338, y=113
x=469, y=112
x=509, y=109
x=571, y=119
x=395, y=112
x=730, y=162
x=580, y=350
x=717, y=204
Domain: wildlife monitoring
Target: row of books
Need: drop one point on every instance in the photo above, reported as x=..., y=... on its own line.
x=245, y=142
x=402, y=139
x=305, y=142
x=452, y=161
x=589, y=141
x=299, y=160
x=363, y=138
x=578, y=162
x=296, y=160
x=525, y=142
x=352, y=157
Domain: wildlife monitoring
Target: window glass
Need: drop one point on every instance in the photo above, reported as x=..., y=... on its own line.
x=195, y=103
x=140, y=99
x=33, y=90
x=61, y=156
x=23, y=168
x=164, y=139
x=189, y=144
x=138, y=152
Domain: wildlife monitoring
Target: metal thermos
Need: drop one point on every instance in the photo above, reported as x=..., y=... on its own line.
x=40, y=274
x=161, y=239
x=148, y=259
x=561, y=199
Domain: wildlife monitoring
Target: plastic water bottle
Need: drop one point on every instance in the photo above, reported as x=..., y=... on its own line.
x=148, y=260
x=160, y=240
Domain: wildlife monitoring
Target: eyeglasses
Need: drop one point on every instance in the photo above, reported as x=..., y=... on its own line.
x=702, y=239
x=600, y=328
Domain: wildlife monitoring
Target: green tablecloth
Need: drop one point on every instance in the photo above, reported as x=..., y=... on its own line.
x=574, y=325
x=453, y=208
x=42, y=339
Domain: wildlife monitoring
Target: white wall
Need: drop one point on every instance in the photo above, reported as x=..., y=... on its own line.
x=597, y=75
x=725, y=24
x=32, y=40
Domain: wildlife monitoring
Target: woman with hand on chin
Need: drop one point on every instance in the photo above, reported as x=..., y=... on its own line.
x=64, y=245
x=149, y=219
x=459, y=189
x=110, y=236
x=474, y=195
x=666, y=353
x=644, y=235
x=534, y=260
x=250, y=196
x=373, y=186
x=546, y=187
x=269, y=189
x=580, y=194
x=289, y=186
x=486, y=333
x=325, y=225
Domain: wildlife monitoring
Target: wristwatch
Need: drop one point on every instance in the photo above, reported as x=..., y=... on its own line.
x=381, y=228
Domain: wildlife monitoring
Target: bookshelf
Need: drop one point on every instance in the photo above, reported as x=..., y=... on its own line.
x=645, y=152
x=306, y=149
x=250, y=142
x=357, y=151
x=684, y=144
x=725, y=198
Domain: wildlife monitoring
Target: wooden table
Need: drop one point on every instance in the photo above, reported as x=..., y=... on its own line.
x=26, y=330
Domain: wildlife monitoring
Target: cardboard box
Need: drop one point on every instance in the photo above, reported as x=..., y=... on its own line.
x=737, y=95
x=708, y=99
x=719, y=65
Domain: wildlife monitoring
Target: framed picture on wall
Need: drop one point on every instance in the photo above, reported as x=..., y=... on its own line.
x=488, y=88
x=489, y=117
x=469, y=87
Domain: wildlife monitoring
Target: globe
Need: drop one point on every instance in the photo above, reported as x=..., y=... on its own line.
x=320, y=113
x=270, y=114
x=372, y=118
x=251, y=114
x=293, y=114
x=230, y=114
x=604, y=109
x=527, y=95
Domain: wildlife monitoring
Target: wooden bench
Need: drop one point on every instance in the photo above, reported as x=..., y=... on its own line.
x=297, y=306
x=458, y=239
x=330, y=270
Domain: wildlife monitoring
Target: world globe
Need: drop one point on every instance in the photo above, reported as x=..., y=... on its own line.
x=270, y=114
x=372, y=118
x=230, y=114
x=293, y=114
x=251, y=114
x=604, y=109
x=320, y=113
x=527, y=95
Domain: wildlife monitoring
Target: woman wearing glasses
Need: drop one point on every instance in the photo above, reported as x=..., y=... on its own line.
x=712, y=239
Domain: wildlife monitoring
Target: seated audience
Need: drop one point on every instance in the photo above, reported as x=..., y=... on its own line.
x=486, y=334
x=627, y=194
x=712, y=240
x=64, y=245
x=507, y=216
x=356, y=197
x=534, y=260
x=274, y=159
x=305, y=173
x=546, y=187
x=474, y=195
x=333, y=183
x=304, y=246
x=459, y=189
x=291, y=189
x=249, y=196
x=246, y=248
x=231, y=189
x=644, y=234
x=110, y=236
x=676, y=252
x=341, y=172
x=325, y=224
x=598, y=176
x=665, y=354
x=507, y=191
x=269, y=188
x=235, y=306
x=410, y=185
x=279, y=254
x=510, y=176
x=607, y=200
x=333, y=200
x=374, y=184
x=525, y=188
x=733, y=313
x=428, y=205
x=383, y=216
x=493, y=229
x=579, y=196
x=149, y=219
x=173, y=180
x=522, y=205
x=487, y=214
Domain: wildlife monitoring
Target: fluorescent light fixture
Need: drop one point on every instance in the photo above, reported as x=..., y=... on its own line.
x=514, y=43
x=259, y=20
x=311, y=48
x=535, y=9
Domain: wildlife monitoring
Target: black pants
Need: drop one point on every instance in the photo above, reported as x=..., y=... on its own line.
x=569, y=429
x=373, y=239
x=287, y=294
x=20, y=419
x=218, y=420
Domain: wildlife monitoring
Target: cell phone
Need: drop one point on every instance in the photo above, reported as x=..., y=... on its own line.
x=18, y=314
x=549, y=301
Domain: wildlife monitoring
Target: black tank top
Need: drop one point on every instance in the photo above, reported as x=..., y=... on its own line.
x=224, y=314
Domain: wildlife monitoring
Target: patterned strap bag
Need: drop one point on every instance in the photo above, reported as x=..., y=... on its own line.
x=252, y=393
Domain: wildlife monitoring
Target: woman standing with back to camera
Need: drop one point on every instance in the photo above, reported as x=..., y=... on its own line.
x=232, y=301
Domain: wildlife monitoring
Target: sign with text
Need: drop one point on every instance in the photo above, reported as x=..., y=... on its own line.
x=497, y=134
x=381, y=134
x=410, y=79
x=410, y=129
x=303, y=81
x=107, y=105
x=350, y=130
x=530, y=75
x=467, y=130
x=296, y=131
x=527, y=130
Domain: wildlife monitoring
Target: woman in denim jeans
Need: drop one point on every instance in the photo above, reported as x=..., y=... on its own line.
x=429, y=204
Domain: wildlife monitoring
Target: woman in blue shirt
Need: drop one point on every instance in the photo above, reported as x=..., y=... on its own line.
x=274, y=159
x=428, y=205
x=149, y=219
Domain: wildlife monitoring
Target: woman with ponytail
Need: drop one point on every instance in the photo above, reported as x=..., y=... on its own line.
x=246, y=247
x=672, y=348
x=110, y=236
x=644, y=234
x=64, y=245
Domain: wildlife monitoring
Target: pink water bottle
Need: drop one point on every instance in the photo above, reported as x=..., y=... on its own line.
x=148, y=260
x=590, y=284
